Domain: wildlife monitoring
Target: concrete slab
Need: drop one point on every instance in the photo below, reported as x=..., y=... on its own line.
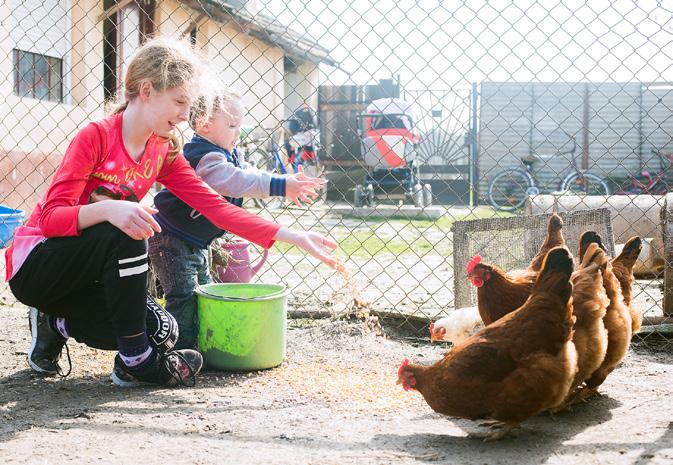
x=391, y=211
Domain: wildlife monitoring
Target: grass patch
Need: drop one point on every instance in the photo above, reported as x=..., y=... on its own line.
x=369, y=243
x=444, y=222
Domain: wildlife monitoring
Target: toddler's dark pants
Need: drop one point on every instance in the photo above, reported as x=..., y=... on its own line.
x=180, y=268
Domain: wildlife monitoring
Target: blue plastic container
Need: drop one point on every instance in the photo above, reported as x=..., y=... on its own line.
x=10, y=219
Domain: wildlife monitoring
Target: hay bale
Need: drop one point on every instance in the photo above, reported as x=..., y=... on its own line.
x=632, y=215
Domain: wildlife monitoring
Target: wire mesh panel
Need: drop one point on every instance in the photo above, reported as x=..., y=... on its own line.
x=511, y=243
x=573, y=97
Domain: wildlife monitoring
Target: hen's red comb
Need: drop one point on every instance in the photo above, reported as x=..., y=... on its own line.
x=474, y=261
x=405, y=362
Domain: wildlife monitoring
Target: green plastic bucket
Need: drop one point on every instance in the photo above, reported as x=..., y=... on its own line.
x=242, y=326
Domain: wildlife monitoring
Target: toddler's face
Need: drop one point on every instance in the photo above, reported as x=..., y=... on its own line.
x=225, y=127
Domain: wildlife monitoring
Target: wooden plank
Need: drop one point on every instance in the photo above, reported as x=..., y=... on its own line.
x=113, y=9
x=340, y=94
x=343, y=163
x=444, y=169
x=342, y=106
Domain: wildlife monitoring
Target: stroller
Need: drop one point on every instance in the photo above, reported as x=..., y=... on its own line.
x=389, y=142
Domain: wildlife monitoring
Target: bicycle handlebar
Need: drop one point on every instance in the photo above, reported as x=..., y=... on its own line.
x=663, y=158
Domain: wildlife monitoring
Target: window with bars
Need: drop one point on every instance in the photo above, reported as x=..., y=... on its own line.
x=38, y=76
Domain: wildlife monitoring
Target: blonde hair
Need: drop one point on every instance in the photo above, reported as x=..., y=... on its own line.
x=166, y=63
x=214, y=98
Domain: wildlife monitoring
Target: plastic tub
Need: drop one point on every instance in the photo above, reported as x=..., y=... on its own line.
x=10, y=219
x=242, y=326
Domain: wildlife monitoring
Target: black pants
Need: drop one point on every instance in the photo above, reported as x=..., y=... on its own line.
x=97, y=281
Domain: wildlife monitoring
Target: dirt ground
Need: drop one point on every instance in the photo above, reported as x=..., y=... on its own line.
x=333, y=401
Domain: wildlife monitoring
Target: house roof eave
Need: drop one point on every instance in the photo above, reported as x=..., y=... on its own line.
x=266, y=29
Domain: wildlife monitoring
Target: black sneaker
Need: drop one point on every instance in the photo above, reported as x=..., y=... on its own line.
x=167, y=369
x=46, y=344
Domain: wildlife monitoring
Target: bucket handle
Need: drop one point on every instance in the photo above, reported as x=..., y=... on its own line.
x=208, y=294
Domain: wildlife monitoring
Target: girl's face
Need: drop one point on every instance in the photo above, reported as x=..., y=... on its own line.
x=167, y=109
x=224, y=128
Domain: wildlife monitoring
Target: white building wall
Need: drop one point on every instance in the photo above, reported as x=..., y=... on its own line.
x=253, y=68
x=35, y=133
x=301, y=88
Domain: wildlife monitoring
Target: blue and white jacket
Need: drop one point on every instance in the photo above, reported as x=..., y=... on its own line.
x=229, y=175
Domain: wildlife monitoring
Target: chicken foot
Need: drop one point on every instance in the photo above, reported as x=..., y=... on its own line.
x=572, y=399
x=585, y=393
x=497, y=430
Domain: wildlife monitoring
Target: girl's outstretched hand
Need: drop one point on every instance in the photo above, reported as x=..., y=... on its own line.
x=312, y=242
x=133, y=218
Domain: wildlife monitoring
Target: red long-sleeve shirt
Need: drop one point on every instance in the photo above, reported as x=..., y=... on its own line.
x=97, y=157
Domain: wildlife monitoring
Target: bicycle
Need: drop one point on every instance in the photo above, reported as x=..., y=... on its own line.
x=264, y=153
x=271, y=160
x=654, y=184
x=509, y=188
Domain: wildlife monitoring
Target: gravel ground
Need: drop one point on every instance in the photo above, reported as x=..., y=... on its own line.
x=333, y=401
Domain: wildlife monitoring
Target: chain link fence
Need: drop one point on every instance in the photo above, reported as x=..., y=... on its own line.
x=428, y=113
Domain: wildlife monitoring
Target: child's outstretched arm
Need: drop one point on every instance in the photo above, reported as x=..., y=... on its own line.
x=181, y=179
x=231, y=181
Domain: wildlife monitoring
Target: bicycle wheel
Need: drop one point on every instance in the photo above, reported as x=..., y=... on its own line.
x=264, y=161
x=508, y=189
x=585, y=183
x=661, y=188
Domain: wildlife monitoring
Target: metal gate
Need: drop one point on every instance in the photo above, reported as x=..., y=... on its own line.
x=444, y=120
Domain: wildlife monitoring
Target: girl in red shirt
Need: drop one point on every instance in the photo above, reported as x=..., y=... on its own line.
x=80, y=262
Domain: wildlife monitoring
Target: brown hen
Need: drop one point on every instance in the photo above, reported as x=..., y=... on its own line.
x=500, y=292
x=622, y=266
x=514, y=368
x=590, y=304
x=618, y=324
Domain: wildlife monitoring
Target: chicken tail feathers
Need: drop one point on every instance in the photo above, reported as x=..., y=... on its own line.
x=554, y=238
x=630, y=252
x=587, y=238
x=554, y=231
x=594, y=255
x=558, y=259
x=555, y=224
